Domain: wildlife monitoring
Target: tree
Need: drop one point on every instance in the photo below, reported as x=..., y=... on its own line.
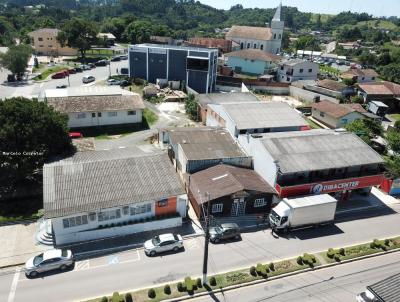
x=367, y=58
x=393, y=166
x=138, y=32
x=7, y=32
x=16, y=58
x=31, y=133
x=191, y=107
x=78, y=33
x=366, y=129
x=307, y=42
x=393, y=138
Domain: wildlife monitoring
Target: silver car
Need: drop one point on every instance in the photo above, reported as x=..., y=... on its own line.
x=49, y=260
x=163, y=243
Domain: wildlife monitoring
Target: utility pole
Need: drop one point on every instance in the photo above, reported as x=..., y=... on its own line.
x=207, y=240
x=109, y=69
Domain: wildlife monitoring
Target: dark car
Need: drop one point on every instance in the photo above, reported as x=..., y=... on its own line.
x=115, y=59
x=78, y=69
x=124, y=57
x=59, y=75
x=124, y=83
x=61, y=86
x=124, y=71
x=91, y=65
x=71, y=71
x=224, y=231
x=10, y=78
x=101, y=63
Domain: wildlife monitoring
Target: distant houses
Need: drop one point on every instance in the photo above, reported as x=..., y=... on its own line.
x=358, y=75
x=385, y=92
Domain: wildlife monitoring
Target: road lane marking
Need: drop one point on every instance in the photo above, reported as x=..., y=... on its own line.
x=14, y=284
x=113, y=259
x=82, y=265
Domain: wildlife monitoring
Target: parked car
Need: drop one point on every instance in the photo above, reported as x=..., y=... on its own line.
x=125, y=71
x=61, y=86
x=49, y=260
x=224, y=231
x=71, y=71
x=115, y=59
x=75, y=135
x=366, y=296
x=113, y=82
x=124, y=83
x=59, y=75
x=102, y=63
x=91, y=65
x=10, y=78
x=78, y=69
x=163, y=243
x=124, y=57
x=85, y=67
x=88, y=79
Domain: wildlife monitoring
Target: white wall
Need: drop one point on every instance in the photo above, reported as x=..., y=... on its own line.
x=297, y=75
x=121, y=118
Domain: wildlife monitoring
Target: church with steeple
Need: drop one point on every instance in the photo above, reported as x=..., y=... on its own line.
x=268, y=39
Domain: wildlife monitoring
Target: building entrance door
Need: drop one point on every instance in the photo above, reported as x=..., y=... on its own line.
x=238, y=207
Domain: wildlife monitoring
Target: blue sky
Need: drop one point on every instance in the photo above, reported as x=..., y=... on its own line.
x=373, y=7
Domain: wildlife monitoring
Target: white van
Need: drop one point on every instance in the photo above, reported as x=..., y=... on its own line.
x=88, y=79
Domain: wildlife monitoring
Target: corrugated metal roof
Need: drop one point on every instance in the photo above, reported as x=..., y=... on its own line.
x=263, y=115
x=222, y=180
x=314, y=150
x=205, y=143
x=91, y=181
x=387, y=290
x=230, y=97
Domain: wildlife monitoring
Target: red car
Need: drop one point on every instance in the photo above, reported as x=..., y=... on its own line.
x=75, y=135
x=71, y=71
x=59, y=75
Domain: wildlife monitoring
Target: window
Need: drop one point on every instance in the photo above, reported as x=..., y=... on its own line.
x=93, y=114
x=163, y=203
x=241, y=45
x=344, y=121
x=132, y=112
x=288, y=79
x=255, y=46
x=75, y=221
x=262, y=47
x=125, y=210
x=252, y=61
x=274, y=36
x=112, y=114
x=92, y=216
x=373, y=78
x=280, y=36
x=40, y=39
x=259, y=202
x=217, y=208
x=110, y=214
x=310, y=70
x=41, y=45
x=50, y=46
x=248, y=45
x=301, y=70
x=140, y=209
x=81, y=115
x=98, y=114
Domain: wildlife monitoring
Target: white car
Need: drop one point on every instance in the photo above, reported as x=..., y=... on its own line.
x=366, y=296
x=49, y=260
x=113, y=82
x=88, y=79
x=163, y=243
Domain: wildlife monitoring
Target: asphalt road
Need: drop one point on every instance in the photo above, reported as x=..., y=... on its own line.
x=132, y=269
x=336, y=284
x=30, y=88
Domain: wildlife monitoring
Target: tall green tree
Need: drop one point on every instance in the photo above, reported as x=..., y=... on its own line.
x=366, y=129
x=138, y=32
x=191, y=107
x=16, y=58
x=31, y=133
x=393, y=138
x=78, y=33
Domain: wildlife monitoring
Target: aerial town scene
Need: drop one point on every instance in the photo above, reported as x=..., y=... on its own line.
x=205, y=151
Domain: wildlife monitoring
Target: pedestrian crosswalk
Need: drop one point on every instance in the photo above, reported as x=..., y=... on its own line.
x=82, y=265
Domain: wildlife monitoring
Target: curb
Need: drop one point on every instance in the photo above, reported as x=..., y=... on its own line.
x=233, y=287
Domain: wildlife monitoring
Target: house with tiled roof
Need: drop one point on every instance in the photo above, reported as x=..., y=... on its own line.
x=252, y=61
x=267, y=39
x=385, y=92
x=337, y=115
x=331, y=88
x=360, y=75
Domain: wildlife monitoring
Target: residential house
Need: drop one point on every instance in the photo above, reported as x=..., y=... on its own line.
x=107, y=38
x=204, y=100
x=360, y=75
x=195, y=149
x=96, y=105
x=101, y=194
x=331, y=88
x=268, y=39
x=385, y=92
x=257, y=117
x=231, y=191
x=297, y=70
x=252, y=61
x=312, y=162
x=44, y=42
x=337, y=115
x=193, y=67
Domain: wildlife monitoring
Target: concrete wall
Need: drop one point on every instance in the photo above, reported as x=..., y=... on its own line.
x=121, y=118
x=308, y=96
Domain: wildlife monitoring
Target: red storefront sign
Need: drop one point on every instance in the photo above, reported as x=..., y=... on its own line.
x=329, y=186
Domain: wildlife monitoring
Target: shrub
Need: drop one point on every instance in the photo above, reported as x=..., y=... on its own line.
x=308, y=259
x=180, y=287
x=337, y=257
x=331, y=253
x=299, y=260
x=271, y=266
x=387, y=242
x=189, y=284
x=199, y=283
x=128, y=297
x=342, y=251
x=213, y=281
x=253, y=271
x=167, y=289
x=104, y=299
x=115, y=297
x=151, y=293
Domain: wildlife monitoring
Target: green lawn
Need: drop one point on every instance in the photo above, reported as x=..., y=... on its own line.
x=150, y=117
x=329, y=69
x=49, y=71
x=395, y=116
x=312, y=124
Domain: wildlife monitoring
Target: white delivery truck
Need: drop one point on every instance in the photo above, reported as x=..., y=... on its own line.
x=306, y=211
